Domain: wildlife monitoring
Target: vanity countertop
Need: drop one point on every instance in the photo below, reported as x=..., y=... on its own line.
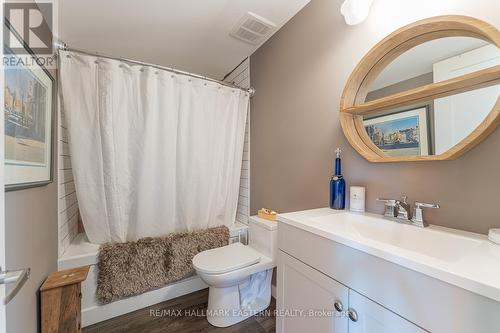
x=464, y=259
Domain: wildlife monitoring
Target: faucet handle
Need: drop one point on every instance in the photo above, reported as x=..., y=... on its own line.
x=390, y=201
x=425, y=205
x=418, y=217
x=390, y=206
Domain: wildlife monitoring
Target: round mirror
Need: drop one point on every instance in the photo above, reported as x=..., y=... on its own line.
x=429, y=91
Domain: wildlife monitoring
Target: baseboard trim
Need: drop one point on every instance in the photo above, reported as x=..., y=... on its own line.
x=98, y=313
x=95, y=314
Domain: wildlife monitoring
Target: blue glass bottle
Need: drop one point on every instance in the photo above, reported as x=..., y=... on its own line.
x=337, y=185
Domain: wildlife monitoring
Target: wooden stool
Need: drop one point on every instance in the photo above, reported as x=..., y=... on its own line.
x=61, y=301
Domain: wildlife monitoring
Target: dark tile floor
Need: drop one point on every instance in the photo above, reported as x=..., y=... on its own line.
x=164, y=317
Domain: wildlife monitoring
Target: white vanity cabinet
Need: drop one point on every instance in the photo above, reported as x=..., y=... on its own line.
x=371, y=317
x=322, y=261
x=302, y=289
x=310, y=301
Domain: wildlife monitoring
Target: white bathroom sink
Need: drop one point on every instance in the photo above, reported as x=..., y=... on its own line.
x=461, y=258
x=443, y=245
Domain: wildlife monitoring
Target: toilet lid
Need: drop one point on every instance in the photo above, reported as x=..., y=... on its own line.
x=225, y=259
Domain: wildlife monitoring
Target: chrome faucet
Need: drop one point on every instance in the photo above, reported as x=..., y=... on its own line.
x=400, y=211
x=403, y=209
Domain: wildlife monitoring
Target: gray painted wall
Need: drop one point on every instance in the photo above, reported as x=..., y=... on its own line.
x=31, y=229
x=299, y=75
x=415, y=82
x=31, y=226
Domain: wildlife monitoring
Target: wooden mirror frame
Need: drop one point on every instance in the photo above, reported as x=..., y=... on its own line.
x=353, y=105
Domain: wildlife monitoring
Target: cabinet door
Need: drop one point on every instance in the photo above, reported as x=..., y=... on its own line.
x=306, y=299
x=374, y=318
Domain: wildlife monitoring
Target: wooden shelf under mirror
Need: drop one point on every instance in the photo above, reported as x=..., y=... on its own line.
x=462, y=62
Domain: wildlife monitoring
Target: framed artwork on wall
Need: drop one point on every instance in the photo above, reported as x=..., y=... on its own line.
x=29, y=101
x=404, y=133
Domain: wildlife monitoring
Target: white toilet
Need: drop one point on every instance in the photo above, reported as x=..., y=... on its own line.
x=227, y=269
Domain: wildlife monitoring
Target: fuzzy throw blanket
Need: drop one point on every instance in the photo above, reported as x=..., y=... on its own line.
x=132, y=268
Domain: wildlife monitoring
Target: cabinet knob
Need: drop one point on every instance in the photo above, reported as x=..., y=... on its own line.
x=338, y=306
x=352, y=314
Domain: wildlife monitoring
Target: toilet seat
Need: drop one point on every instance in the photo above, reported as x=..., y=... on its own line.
x=225, y=259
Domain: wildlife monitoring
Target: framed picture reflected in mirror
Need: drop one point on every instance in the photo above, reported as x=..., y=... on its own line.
x=404, y=133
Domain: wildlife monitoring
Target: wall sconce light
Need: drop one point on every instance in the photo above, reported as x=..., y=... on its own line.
x=355, y=11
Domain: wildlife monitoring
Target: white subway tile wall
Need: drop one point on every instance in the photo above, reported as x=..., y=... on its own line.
x=240, y=76
x=68, y=204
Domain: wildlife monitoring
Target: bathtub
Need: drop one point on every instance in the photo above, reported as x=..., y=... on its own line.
x=81, y=252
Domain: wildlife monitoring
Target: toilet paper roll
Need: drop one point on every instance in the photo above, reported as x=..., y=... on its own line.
x=357, y=199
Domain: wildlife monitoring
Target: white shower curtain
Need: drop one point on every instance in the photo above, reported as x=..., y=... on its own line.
x=152, y=152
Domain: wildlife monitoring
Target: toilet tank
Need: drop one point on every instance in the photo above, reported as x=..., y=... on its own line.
x=263, y=236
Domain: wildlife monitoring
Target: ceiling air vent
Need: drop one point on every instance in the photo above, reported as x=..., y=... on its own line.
x=253, y=29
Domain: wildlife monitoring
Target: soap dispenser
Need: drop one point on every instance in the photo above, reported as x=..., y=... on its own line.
x=337, y=185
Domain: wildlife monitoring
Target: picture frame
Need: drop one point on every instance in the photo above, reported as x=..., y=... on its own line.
x=403, y=133
x=29, y=122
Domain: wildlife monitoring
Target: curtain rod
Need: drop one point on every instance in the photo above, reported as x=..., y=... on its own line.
x=63, y=46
